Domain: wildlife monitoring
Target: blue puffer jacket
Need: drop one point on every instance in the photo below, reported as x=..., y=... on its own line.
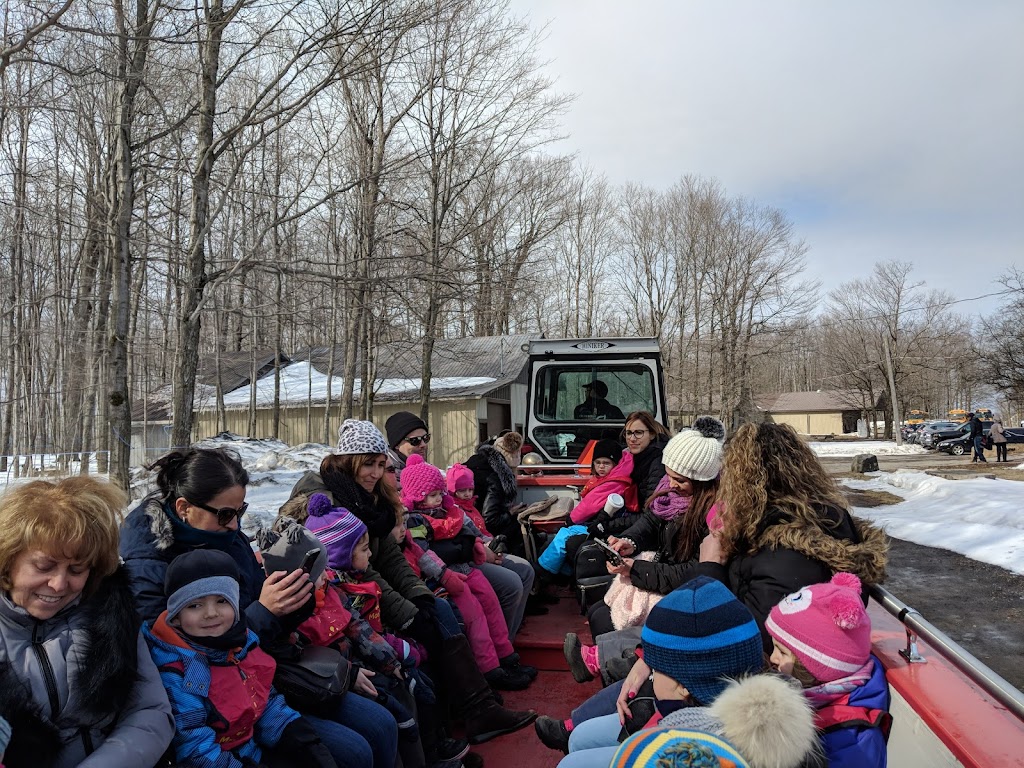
x=225, y=708
x=151, y=537
x=856, y=731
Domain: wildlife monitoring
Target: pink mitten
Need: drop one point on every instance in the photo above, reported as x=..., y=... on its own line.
x=479, y=555
x=453, y=582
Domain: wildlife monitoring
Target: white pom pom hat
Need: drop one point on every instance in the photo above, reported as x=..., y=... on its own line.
x=696, y=453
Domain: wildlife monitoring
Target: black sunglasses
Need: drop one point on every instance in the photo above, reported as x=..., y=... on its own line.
x=225, y=514
x=415, y=441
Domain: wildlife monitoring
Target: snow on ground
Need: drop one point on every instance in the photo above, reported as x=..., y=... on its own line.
x=977, y=517
x=877, y=447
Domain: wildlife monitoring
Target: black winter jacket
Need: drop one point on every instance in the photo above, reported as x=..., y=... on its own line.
x=648, y=469
x=665, y=573
x=788, y=557
x=494, y=483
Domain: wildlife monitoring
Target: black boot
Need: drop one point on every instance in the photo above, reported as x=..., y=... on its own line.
x=552, y=733
x=485, y=718
x=513, y=664
x=501, y=679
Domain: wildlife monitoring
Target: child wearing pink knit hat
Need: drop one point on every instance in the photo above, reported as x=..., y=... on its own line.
x=822, y=638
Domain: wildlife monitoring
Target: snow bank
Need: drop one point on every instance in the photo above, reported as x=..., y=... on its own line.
x=877, y=447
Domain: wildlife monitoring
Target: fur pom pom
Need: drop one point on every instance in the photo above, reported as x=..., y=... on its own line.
x=319, y=505
x=849, y=580
x=709, y=426
x=847, y=611
x=413, y=460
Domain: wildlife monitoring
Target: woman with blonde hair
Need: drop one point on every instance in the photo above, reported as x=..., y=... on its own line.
x=786, y=523
x=77, y=683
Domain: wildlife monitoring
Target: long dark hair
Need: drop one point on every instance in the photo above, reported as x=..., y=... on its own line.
x=198, y=474
x=691, y=526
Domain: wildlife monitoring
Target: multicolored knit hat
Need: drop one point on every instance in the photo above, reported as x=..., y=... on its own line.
x=825, y=626
x=459, y=477
x=699, y=635
x=677, y=748
x=696, y=453
x=419, y=480
x=336, y=528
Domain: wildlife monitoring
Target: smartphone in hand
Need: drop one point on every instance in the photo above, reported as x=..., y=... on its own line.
x=613, y=557
x=310, y=560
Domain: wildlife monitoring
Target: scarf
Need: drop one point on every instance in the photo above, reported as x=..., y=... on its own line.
x=828, y=693
x=234, y=639
x=667, y=504
x=377, y=514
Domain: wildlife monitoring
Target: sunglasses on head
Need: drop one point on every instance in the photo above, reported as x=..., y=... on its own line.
x=225, y=514
x=416, y=441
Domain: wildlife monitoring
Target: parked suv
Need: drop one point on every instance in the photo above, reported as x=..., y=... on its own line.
x=930, y=438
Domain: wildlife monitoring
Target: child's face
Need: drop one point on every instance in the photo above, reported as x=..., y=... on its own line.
x=782, y=659
x=398, y=532
x=667, y=689
x=433, y=499
x=464, y=493
x=603, y=466
x=209, y=616
x=361, y=554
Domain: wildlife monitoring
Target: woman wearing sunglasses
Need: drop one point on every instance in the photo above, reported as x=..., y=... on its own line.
x=199, y=502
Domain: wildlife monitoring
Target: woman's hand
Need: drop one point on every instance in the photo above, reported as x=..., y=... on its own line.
x=362, y=683
x=622, y=569
x=637, y=676
x=711, y=549
x=490, y=557
x=285, y=592
x=622, y=546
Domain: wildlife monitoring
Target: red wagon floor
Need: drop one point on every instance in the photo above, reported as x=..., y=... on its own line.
x=553, y=693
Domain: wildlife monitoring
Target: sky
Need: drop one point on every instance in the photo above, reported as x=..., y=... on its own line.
x=885, y=130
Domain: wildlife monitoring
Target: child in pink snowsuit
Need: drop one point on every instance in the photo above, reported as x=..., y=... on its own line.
x=423, y=492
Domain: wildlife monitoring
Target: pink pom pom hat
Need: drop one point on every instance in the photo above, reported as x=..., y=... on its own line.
x=825, y=626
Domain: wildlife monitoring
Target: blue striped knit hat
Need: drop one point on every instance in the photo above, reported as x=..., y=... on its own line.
x=699, y=635
x=678, y=748
x=336, y=528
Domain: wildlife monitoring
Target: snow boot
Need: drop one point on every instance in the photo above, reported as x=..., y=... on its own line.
x=485, y=718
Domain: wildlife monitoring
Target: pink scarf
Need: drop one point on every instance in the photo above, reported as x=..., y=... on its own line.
x=669, y=505
x=827, y=693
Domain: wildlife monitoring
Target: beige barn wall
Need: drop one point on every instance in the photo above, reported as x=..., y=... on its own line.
x=811, y=423
x=453, y=426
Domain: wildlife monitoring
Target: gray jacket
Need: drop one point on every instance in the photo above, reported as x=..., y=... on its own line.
x=80, y=689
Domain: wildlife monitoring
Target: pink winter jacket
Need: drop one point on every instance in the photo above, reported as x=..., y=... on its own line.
x=597, y=491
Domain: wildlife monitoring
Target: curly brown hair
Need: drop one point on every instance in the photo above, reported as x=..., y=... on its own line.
x=765, y=466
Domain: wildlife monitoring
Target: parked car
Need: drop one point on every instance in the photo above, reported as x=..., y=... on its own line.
x=960, y=445
x=934, y=432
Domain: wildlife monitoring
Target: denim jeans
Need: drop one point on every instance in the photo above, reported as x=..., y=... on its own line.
x=361, y=732
x=601, y=703
x=446, y=620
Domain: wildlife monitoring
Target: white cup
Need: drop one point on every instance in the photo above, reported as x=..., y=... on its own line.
x=614, y=503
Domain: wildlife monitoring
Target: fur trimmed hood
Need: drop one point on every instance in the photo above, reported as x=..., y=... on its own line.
x=854, y=545
x=497, y=463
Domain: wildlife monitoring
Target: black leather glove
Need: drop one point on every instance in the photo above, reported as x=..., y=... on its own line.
x=423, y=601
x=302, y=745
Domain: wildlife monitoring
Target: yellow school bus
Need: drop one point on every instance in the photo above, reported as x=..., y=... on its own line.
x=917, y=417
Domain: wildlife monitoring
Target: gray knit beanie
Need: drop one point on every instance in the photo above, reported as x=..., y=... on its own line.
x=355, y=437
x=198, y=573
x=285, y=546
x=696, y=453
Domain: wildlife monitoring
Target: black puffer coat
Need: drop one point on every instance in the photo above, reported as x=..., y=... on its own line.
x=648, y=469
x=494, y=483
x=666, y=572
x=788, y=556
